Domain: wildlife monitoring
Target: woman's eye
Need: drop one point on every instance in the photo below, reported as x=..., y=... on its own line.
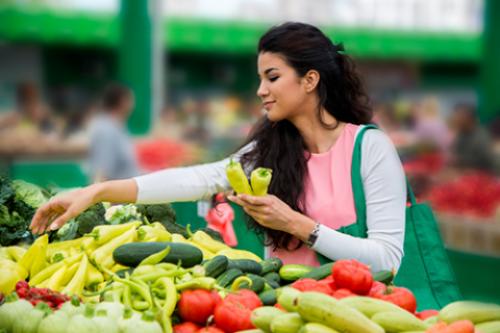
x=274, y=78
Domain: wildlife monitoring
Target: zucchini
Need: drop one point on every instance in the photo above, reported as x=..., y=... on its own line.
x=320, y=272
x=245, y=265
x=269, y=297
x=258, y=283
x=225, y=279
x=271, y=265
x=132, y=254
x=215, y=266
x=292, y=272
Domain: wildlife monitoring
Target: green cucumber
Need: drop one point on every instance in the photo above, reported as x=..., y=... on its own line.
x=132, y=254
x=292, y=272
x=245, y=265
x=269, y=297
x=273, y=279
x=225, y=279
x=215, y=266
x=258, y=283
x=385, y=277
x=320, y=272
x=271, y=265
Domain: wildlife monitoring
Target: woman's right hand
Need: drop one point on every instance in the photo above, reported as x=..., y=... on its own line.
x=60, y=209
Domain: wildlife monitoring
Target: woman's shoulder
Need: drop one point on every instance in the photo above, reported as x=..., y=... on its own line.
x=376, y=141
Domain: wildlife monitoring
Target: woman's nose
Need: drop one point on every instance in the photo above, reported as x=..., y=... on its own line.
x=262, y=90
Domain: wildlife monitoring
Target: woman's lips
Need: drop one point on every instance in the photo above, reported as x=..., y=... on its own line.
x=268, y=105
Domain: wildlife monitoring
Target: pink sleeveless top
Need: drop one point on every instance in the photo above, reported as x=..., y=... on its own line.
x=328, y=193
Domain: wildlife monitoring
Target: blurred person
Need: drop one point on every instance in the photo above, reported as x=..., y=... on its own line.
x=472, y=147
x=31, y=112
x=429, y=127
x=111, y=152
x=316, y=109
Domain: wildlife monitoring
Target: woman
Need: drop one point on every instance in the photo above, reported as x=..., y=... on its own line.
x=315, y=108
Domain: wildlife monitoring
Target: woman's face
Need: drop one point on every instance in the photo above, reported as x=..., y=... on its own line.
x=281, y=90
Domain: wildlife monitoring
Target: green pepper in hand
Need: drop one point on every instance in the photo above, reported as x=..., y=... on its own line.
x=260, y=179
x=237, y=178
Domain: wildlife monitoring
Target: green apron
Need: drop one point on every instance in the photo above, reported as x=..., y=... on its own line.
x=425, y=268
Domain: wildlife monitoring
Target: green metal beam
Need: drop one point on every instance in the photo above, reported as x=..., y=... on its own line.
x=489, y=105
x=135, y=60
x=20, y=23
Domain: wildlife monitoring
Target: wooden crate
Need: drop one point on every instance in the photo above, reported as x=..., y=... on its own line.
x=470, y=234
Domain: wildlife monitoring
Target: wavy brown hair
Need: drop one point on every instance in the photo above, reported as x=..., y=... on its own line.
x=279, y=145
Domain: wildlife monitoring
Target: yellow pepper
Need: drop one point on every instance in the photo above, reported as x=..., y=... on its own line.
x=239, y=254
x=103, y=256
x=105, y=233
x=34, y=259
x=48, y=271
x=94, y=277
x=260, y=179
x=75, y=286
x=203, y=239
x=16, y=252
x=237, y=178
x=54, y=281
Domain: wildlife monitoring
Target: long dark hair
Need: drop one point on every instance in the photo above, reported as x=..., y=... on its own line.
x=279, y=145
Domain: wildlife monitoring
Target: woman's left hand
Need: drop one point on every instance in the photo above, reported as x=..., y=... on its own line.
x=268, y=210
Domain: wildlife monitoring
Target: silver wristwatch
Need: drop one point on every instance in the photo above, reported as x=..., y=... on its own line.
x=313, y=236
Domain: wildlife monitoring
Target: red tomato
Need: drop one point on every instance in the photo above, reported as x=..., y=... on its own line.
x=377, y=287
x=245, y=297
x=400, y=296
x=342, y=293
x=196, y=305
x=210, y=329
x=186, y=327
x=232, y=316
x=352, y=275
x=427, y=314
x=312, y=285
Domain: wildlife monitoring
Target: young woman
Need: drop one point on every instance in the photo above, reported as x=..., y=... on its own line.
x=315, y=108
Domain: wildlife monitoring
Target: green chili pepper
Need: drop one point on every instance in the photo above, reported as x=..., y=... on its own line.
x=156, y=257
x=140, y=305
x=170, y=294
x=197, y=283
x=237, y=178
x=239, y=280
x=127, y=296
x=136, y=287
x=260, y=179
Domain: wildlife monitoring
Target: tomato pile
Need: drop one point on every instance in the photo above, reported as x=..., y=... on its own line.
x=37, y=295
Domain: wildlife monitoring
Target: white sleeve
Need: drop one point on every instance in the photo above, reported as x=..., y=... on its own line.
x=186, y=183
x=385, y=192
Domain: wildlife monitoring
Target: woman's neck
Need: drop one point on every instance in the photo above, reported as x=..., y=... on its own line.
x=317, y=138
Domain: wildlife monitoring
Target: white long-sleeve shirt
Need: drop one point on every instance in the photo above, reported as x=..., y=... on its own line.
x=384, y=187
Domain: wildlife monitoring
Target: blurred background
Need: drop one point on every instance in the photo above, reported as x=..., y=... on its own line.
x=178, y=80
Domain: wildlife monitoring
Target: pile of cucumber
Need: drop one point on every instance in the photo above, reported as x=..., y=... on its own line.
x=263, y=277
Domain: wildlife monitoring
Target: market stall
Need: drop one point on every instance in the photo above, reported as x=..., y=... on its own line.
x=131, y=267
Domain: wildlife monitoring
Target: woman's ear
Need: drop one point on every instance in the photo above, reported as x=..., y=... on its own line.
x=311, y=80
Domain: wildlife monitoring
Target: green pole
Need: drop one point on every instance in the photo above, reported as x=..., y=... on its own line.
x=489, y=103
x=138, y=55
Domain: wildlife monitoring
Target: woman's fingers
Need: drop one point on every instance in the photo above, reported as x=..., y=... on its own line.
x=254, y=200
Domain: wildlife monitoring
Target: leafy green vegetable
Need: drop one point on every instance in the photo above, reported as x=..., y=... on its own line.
x=119, y=214
x=29, y=193
x=15, y=215
x=66, y=232
x=90, y=218
x=6, y=190
x=163, y=213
